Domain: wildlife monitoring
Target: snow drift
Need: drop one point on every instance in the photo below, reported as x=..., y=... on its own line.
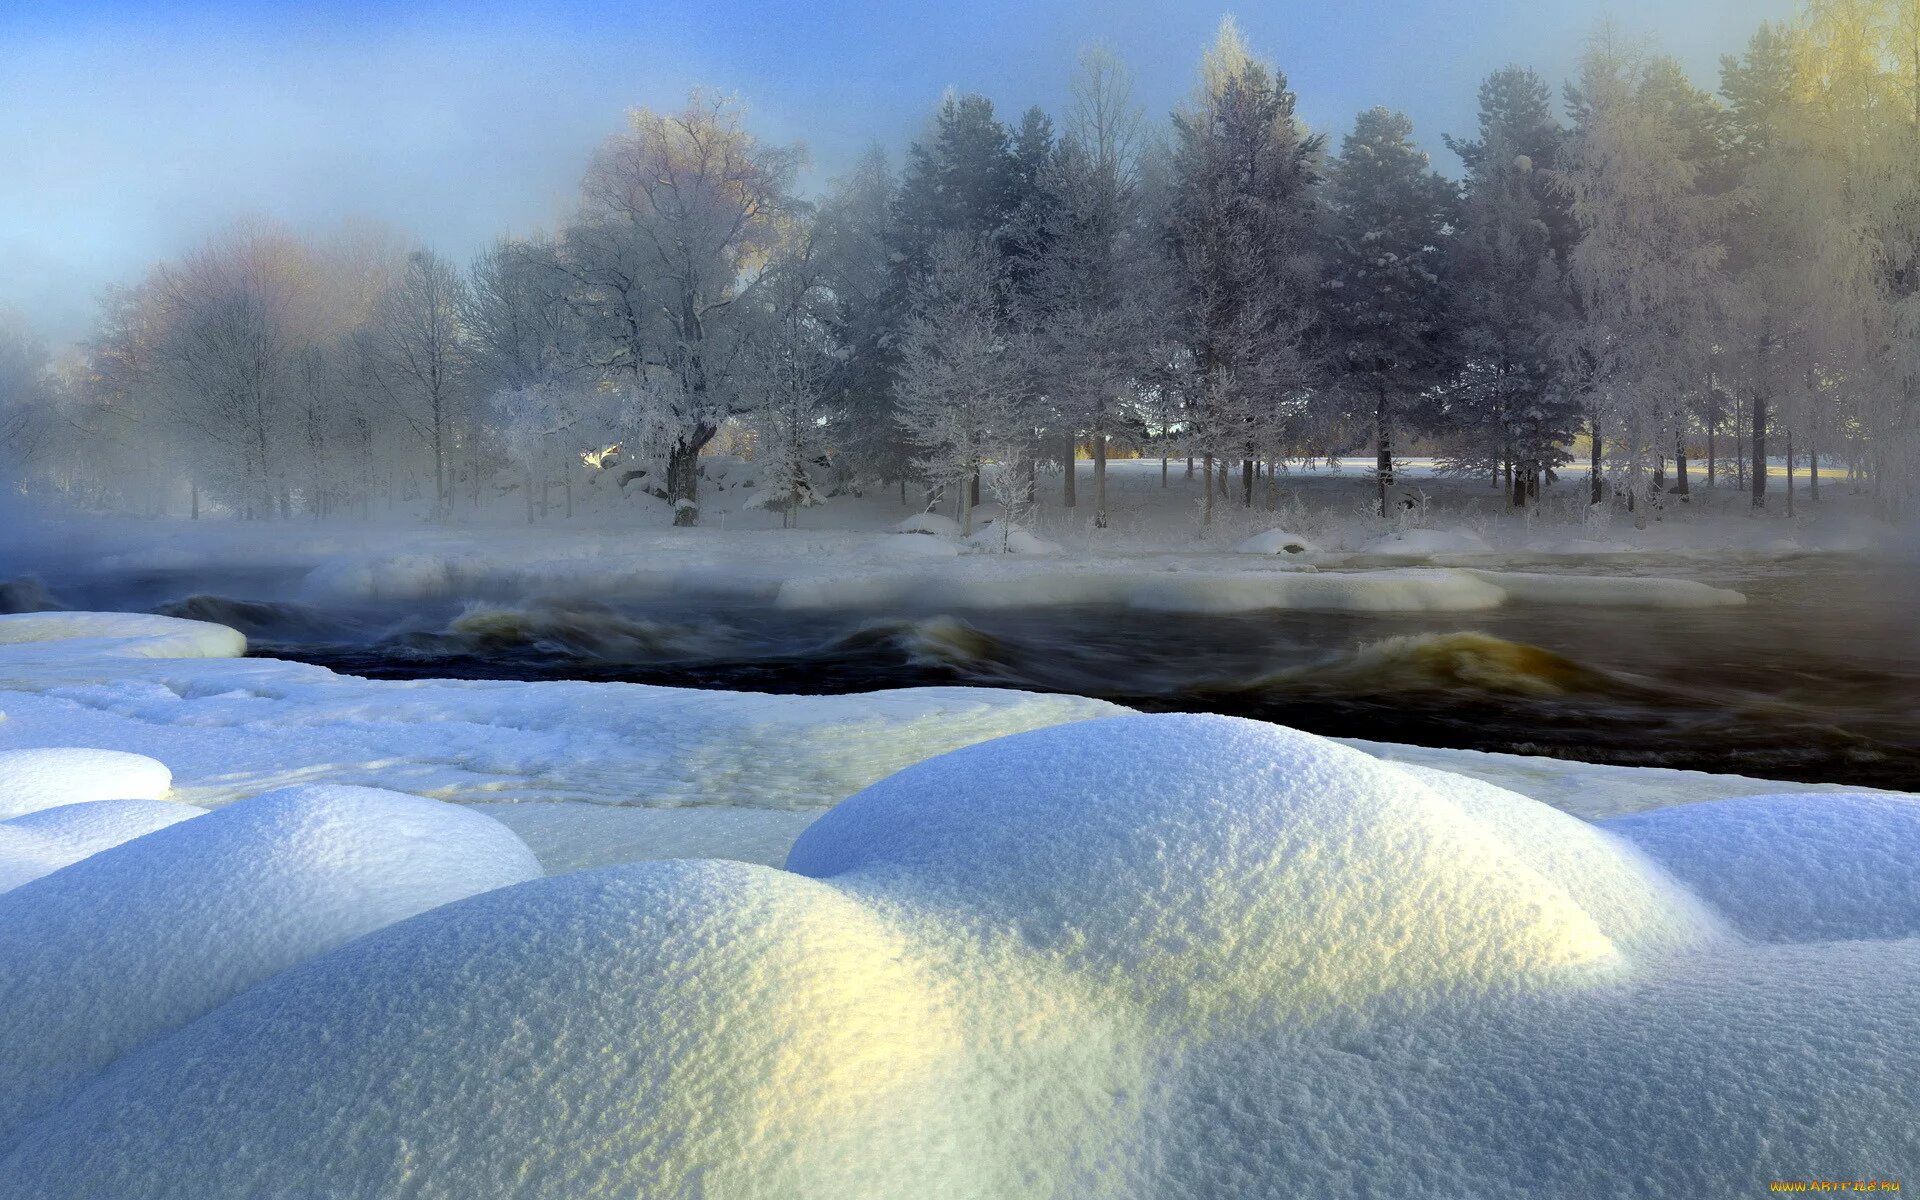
x=50, y=776
x=43, y=841
x=117, y=949
x=1167, y=956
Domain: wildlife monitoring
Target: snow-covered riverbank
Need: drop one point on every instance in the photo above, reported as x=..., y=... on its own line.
x=1112, y=955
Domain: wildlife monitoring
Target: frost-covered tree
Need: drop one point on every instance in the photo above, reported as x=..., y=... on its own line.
x=1507, y=408
x=1091, y=291
x=421, y=358
x=677, y=215
x=231, y=325
x=959, y=392
x=1646, y=273
x=1392, y=217
x=791, y=364
x=1240, y=236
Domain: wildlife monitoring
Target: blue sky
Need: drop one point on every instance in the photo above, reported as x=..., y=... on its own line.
x=128, y=130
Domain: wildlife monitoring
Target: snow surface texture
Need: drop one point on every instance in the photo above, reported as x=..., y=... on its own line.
x=1795, y=868
x=43, y=841
x=1166, y=956
x=56, y=775
x=105, y=955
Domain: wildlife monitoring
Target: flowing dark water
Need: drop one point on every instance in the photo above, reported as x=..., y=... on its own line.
x=1816, y=679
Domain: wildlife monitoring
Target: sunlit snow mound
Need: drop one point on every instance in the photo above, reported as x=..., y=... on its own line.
x=43, y=841
x=1145, y=957
x=116, y=635
x=102, y=956
x=1813, y=868
x=48, y=777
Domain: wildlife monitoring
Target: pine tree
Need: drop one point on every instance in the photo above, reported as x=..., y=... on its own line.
x=1386, y=291
x=1241, y=222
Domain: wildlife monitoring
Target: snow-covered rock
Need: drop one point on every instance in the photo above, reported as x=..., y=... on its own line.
x=43, y=841
x=1794, y=868
x=116, y=635
x=121, y=947
x=51, y=776
x=993, y=540
x=929, y=523
x=1421, y=543
x=1276, y=541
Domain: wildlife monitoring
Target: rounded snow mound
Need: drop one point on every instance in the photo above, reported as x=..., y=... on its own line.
x=1423, y=542
x=45, y=840
x=894, y=546
x=659, y=1029
x=931, y=523
x=1207, y=863
x=1793, y=868
x=123, y=635
x=104, y=956
x=989, y=538
x=1640, y=908
x=1276, y=541
x=53, y=776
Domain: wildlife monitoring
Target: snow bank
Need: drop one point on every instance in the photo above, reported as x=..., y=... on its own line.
x=1015, y=541
x=1634, y=903
x=119, y=635
x=1421, y=543
x=49, y=777
x=1612, y=591
x=1150, y=958
x=114, y=951
x=1250, y=865
x=42, y=842
x=929, y=522
x=1335, y=591
x=1794, y=868
x=1276, y=541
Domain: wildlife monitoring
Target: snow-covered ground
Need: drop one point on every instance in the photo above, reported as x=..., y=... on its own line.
x=1107, y=955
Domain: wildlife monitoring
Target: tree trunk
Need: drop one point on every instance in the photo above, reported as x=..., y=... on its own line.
x=1246, y=481
x=1383, y=441
x=1099, y=481
x=1070, y=496
x=1518, y=487
x=1206, y=508
x=1189, y=466
x=973, y=489
x=1596, y=483
x=1759, y=463
x=1681, y=486
x=1813, y=471
x=683, y=464
x=1163, y=470
x=1789, y=472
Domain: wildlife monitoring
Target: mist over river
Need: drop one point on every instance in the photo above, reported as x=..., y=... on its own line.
x=1815, y=679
